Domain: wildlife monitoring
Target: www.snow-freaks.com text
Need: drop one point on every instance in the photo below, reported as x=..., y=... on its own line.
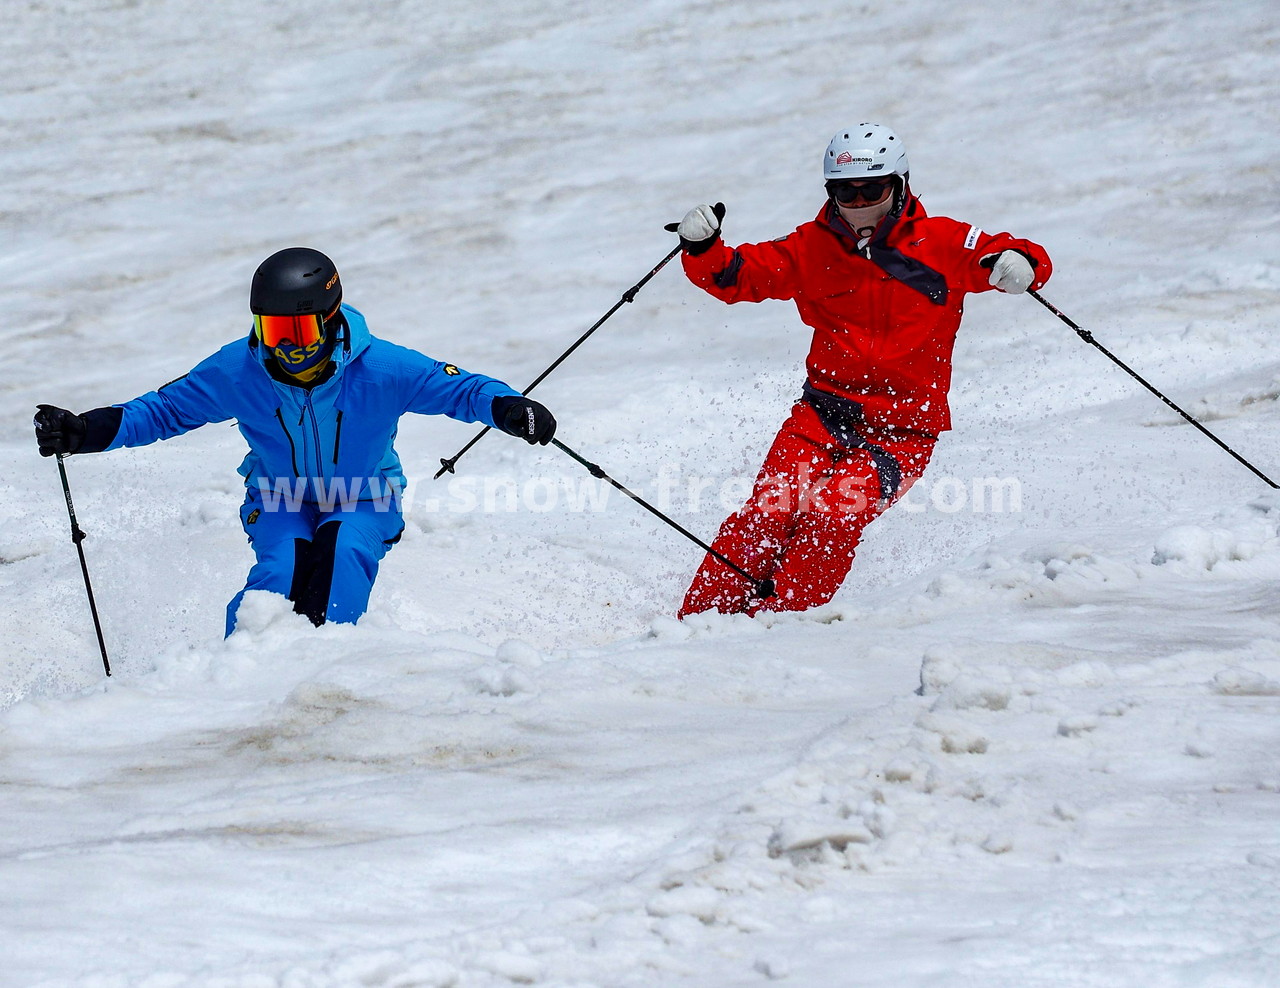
x=671, y=489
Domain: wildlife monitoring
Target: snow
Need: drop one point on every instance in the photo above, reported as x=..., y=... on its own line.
x=1023, y=747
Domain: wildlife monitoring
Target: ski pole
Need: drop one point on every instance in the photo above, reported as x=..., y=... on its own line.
x=764, y=589
x=1088, y=338
x=78, y=537
x=447, y=464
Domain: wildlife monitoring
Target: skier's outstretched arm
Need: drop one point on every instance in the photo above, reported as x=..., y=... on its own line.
x=444, y=389
x=180, y=406
x=747, y=273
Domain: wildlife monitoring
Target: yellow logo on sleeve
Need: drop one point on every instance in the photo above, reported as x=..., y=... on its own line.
x=451, y=370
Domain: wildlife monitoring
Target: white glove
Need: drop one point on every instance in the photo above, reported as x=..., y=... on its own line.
x=700, y=228
x=699, y=223
x=1011, y=273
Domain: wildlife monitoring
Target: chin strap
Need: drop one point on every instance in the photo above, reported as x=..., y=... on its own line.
x=342, y=331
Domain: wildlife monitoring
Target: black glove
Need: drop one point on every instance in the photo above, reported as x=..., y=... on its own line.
x=517, y=415
x=700, y=228
x=58, y=430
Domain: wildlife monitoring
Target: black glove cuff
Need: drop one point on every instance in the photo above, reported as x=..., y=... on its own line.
x=990, y=260
x=101, y=426
x=696, y=247
x=501, y=405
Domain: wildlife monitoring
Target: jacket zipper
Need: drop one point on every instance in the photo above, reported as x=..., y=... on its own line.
x=337, y=438
x=315, y=434
x=293, y=451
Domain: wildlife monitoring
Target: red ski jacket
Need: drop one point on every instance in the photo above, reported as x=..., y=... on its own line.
x=877, y=339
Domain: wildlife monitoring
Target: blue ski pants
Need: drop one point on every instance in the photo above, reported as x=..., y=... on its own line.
x=324, y=560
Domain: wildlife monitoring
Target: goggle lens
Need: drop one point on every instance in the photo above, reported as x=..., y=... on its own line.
x=298, y=330
x=849, y=192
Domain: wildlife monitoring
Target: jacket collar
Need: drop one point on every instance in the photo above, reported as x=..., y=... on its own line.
x=352, y=338
x=911, y=271
x=910, y=210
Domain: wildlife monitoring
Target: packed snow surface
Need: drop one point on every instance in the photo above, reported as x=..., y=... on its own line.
x=1033, y=741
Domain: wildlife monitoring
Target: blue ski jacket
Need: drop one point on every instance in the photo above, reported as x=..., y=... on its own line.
x=342, y=431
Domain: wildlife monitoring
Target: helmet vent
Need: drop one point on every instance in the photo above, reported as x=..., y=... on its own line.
x=297, y=279
x=878, y=151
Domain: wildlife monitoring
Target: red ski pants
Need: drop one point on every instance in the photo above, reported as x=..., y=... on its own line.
x=812, y=499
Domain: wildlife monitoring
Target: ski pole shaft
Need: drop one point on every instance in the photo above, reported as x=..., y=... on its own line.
x=763, y=588
x=78, y=536
x=1088, y=338
x=447, y=463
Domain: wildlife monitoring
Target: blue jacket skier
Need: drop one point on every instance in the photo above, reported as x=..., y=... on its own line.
x=318, y=399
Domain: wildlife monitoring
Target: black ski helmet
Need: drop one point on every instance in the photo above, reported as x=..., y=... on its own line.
x=294, y=281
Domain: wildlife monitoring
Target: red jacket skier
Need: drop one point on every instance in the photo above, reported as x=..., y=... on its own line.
x=882, y=285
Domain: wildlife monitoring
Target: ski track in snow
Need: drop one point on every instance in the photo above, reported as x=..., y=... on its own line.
x=1026, y=748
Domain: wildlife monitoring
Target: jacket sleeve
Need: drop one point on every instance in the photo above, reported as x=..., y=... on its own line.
x=973, y=277
x=749, y=273
x=179, y=406
x=432, y=387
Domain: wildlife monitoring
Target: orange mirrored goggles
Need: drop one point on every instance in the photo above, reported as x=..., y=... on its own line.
x=299, y=330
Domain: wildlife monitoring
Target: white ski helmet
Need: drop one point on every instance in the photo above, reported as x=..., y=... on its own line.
x=868, y=150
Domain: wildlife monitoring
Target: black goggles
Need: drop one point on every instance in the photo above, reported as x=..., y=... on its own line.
x=849, y=191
